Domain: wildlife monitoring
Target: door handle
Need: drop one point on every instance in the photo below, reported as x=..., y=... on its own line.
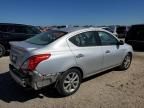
x=79, y=56
x=108, y=51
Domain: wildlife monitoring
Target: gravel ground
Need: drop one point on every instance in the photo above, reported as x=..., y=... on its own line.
x=111, y=89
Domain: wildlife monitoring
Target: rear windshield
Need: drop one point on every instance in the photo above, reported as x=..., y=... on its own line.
x=46, y=38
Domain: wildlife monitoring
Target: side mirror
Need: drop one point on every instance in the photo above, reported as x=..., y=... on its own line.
x=121, y=42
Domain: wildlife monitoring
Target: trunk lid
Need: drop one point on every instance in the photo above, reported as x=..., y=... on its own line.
x=20, y=52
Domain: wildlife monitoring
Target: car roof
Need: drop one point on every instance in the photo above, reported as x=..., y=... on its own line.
x=105, y=27
x=72, y=29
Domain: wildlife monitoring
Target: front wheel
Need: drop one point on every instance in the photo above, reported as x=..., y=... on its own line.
x=69, y=82
x=126, y=62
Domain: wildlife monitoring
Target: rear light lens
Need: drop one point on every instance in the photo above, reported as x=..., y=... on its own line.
x=33, y=61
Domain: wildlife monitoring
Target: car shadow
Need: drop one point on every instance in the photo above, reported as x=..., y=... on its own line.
x=11, y=91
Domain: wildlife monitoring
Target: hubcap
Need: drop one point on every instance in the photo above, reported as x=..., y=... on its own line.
x=71, y=82
x=127, y=61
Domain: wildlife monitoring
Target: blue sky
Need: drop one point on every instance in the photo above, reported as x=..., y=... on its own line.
x=75, y=12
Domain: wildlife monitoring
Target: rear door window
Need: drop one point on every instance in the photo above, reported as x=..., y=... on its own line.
x=7, y=28
x=86, y=39
x=20, y=29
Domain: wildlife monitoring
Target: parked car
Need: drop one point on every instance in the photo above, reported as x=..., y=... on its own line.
x=135, y=36
x=14, y=32
x=65, y=57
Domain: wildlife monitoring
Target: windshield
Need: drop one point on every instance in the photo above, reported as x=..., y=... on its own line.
x=46, y=38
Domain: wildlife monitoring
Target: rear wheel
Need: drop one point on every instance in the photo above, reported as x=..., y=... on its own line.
x=2, y=50
x=126, y=62
x=69, y=82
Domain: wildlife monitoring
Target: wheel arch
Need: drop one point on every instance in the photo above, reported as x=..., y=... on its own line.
x=130, y=53
x=78, y=68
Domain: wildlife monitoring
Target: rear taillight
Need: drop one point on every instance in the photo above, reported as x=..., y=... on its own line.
x=33, y=61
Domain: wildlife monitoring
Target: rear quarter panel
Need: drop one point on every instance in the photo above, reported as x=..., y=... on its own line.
x=58, y=62
x=61, y=58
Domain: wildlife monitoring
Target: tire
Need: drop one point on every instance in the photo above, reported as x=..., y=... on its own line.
x=69, y=82
x=2, y=50
x=126, y=62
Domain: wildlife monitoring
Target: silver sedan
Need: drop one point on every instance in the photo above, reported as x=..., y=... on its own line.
x=65, y=57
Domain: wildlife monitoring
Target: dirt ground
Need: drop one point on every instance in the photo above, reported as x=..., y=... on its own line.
x=111, y=89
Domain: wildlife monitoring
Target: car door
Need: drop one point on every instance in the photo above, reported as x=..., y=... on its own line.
x=113, y=53
x=87, y=51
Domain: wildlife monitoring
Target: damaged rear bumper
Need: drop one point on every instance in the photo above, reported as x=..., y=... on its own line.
x=33, y=79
